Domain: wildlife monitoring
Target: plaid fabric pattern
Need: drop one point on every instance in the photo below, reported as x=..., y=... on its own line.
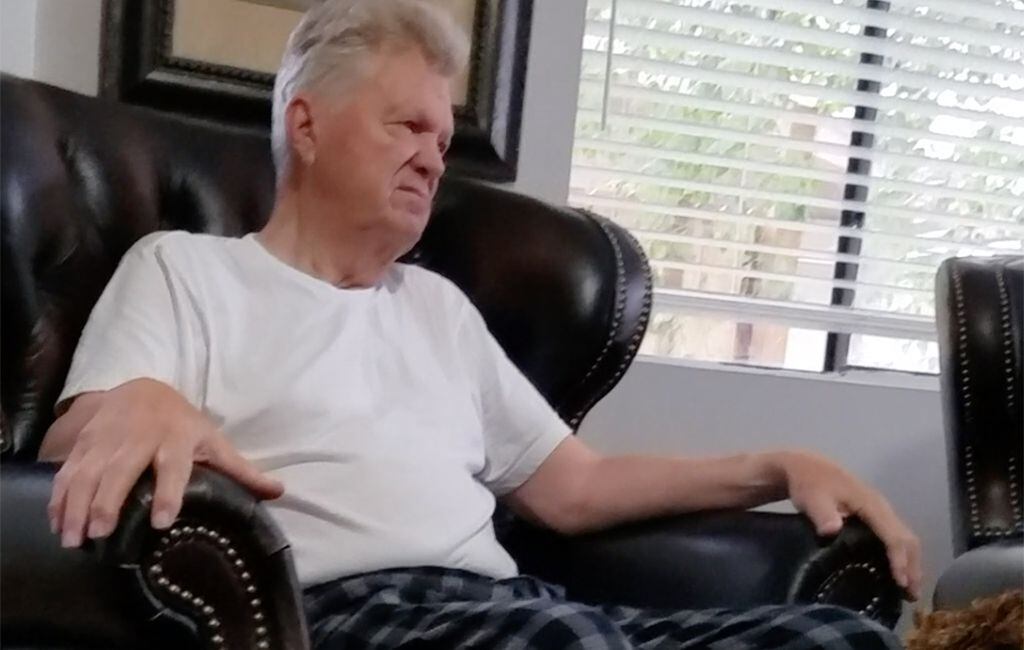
x=433, y=608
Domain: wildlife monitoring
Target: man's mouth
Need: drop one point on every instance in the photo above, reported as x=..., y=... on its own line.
x=418, y=191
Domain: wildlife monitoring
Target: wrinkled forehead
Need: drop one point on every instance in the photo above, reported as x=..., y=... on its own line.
x=406, y=79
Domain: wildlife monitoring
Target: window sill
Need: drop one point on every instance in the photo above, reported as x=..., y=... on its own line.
x=867, y=377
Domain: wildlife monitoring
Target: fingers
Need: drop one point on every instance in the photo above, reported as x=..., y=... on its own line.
x=173, y=467
x=898, y=563
x=83, y=480
x=119, y=477
x=103, y=465
x=902, y=547
x=823, y=511
x=101, y=505
x=915, y=573
x=904, y=551
x=61, y=485
x=223, y=456
x=55, y=508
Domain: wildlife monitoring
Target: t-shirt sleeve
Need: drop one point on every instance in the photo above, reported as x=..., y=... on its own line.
x=132, y=330
x=520, y=428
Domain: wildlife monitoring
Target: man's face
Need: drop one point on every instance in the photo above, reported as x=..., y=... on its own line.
x=379, y=152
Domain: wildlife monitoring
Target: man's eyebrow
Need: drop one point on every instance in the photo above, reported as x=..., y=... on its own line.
x=392, y=108
x=436, y=125
x=421, y=118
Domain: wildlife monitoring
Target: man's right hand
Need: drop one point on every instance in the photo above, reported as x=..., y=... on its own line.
x=107, y=440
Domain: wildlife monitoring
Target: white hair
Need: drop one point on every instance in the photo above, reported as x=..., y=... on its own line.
x=335, y=38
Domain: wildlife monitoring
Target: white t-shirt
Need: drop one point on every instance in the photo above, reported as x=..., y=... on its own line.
x=390, y=414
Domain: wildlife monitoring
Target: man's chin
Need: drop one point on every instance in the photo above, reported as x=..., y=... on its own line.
x=421, y=215
x=409, y=226
x=414, y=215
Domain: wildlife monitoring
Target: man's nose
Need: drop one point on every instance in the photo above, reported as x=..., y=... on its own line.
x=429, y=161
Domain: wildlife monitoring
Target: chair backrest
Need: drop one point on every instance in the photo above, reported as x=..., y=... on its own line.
x=566, y=293
x=980, y=317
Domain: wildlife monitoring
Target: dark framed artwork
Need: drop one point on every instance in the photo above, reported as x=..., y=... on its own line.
x=215, y=60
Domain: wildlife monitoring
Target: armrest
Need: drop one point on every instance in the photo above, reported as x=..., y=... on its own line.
x=710, y=560
x=982, y=572
x=220, y=577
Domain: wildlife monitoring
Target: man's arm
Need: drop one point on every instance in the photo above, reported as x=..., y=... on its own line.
x=577, y=490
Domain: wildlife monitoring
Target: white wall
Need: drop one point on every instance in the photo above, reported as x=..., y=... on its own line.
x=17, y=36
x=56, y=41
x=888, y=432
x=549, y=111
x=68, y=44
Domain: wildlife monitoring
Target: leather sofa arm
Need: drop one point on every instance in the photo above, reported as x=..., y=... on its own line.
x=220, y=577
x=981, y=573
x=979, y=313
x=719, y=559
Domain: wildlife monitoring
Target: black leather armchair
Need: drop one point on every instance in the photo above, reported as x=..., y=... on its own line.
x=567, y=294
x=980, y=316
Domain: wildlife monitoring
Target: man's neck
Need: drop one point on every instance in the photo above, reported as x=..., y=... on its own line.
x=322, y=248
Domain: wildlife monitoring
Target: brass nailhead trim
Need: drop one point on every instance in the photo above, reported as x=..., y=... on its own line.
x=1011, y=391
x=830, y=583
x=620, y=308
x=181, y=533
x=961, y=321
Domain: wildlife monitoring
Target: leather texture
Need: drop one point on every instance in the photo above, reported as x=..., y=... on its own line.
x=716, y=559
x=137, y=588
x=565, y=292
x=980, y=318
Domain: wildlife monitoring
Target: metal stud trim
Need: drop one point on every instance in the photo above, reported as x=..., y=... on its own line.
x=961, y=338
x=209, y=624
x=830, y=583
x=972, y=490
x=1004, y=308
x=1011, y=389
x=620, y=308
x=965, y=390
x=1015, y=502
x=992, y=531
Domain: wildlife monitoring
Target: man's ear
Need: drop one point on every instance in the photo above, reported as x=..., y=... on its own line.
x=299, y=124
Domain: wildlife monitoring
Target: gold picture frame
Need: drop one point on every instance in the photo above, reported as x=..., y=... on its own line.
x=215, y=60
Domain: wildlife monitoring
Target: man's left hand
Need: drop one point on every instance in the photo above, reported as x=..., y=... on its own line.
x=827, y=493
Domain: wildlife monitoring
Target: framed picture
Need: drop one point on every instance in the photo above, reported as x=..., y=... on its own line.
x=215, y=60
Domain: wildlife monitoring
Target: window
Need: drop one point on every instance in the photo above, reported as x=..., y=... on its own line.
x=796, y=170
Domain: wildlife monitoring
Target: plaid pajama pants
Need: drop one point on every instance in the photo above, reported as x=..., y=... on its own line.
x=431, y=608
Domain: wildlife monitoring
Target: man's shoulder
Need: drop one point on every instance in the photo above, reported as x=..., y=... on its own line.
x=177, y=240
x=424, y=283
x=172, y=246
x=416, y=277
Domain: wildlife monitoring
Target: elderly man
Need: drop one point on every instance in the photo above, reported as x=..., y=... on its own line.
x=368, y=403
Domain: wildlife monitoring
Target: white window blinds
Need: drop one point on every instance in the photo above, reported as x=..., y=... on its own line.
x=797, y=169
